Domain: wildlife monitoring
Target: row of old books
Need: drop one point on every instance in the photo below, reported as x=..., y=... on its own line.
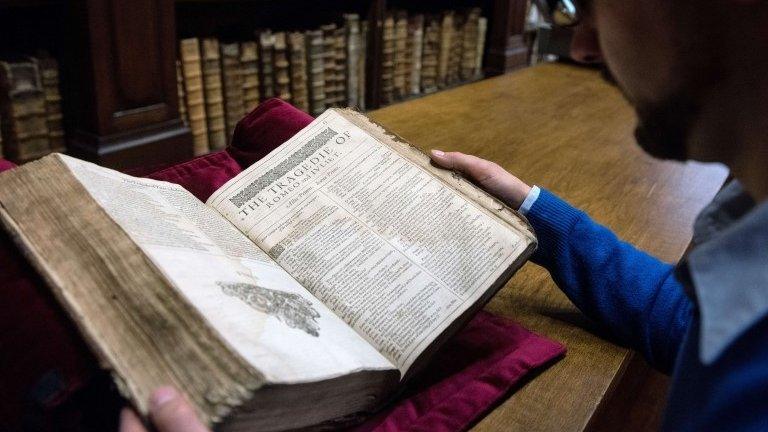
x=218, y=82
x=31, y=121
x=424, y=53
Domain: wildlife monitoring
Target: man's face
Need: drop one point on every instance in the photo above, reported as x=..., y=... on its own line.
x=642, y=44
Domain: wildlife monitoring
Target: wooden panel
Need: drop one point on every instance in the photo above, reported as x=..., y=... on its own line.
x=123, y=84
x=506, y=48
x=563, y=128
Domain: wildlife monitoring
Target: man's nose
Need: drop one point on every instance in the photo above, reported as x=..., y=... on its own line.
x=585, y=47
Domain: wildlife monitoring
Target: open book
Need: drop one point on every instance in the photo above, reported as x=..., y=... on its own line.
x=303, y=292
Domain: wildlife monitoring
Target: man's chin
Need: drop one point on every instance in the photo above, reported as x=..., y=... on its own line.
x=666, y=144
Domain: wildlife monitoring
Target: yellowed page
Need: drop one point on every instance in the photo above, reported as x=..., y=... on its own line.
x=380, y=240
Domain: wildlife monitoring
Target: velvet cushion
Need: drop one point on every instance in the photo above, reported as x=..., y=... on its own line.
x=43, y=356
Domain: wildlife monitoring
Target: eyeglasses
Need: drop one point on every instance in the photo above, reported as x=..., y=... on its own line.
x=561, y=13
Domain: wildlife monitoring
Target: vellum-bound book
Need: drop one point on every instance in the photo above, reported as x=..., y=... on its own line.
x=304, y=292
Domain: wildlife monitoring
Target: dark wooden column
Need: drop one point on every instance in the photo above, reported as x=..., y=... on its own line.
x=506, y=47
x=123, y=99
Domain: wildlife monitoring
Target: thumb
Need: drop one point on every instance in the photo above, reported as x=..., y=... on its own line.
x=171, y=412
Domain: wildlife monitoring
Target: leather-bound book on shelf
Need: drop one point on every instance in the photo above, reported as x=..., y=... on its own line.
x=469, y=45
x=214, y=94
x=305, y=292
x=401, y=55
x=49, y=77
x=446, y=47
x=282, y=66
x=297, y=55
x=329, y=61
x=362, y=65
x=430, y=55
x=181, y=94
x=267, y=64
x=415, y=51
x=340, y=60
x=232, y=77
x=316, y=71
x=22, y=107
x=191, y=68
x=388, y=60
x=249, y=61
x=352, y=67
x=457, y=40
x=482, y=28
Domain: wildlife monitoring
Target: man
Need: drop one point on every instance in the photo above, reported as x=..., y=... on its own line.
x=696, y=72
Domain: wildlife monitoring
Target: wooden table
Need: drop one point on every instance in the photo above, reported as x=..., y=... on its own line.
x=563, y=128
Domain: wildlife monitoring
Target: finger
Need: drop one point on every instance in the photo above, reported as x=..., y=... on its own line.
x=477, y=169
x=171, y=412
x=130, y=422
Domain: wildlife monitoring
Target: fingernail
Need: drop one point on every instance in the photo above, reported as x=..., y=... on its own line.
x=162, y=396
x=438, y=153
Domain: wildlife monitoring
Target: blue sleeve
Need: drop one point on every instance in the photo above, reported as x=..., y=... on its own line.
x=632, y=295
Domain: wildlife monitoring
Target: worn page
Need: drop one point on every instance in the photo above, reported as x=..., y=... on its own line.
x=257, y=308
x=381, y=241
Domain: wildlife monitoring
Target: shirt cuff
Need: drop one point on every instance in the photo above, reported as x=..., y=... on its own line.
x=529, y=201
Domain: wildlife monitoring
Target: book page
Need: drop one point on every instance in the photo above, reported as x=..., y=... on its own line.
x=381, y=241
x=258, y=309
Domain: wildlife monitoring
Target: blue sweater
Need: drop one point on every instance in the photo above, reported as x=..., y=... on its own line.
x=639, y=300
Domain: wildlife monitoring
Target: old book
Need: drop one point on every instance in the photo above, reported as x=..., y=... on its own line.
x=282, y=72
x=316, y=71
x=329, y=61
x=249, y=61
x=267, y=64
x=214, y=94
x=362, y=65
x=401, y=56
x=191, y=68
x=415, y=47
x=49, y=77
x=22, y=106
x=181, y=94
x=454, y=59
x=430, y=55
x=232, y=77
x=353, y=45
x=469, y=45
x=388, y=60
x=297, y=53
x=306, y=290
x=482, y=28
x=340, y=59
x=446, y=48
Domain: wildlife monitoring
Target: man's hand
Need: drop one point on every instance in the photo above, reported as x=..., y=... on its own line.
x=491, y=177
x=169, y=411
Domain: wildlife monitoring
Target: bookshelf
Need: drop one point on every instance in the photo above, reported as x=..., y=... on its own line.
x=118, y=59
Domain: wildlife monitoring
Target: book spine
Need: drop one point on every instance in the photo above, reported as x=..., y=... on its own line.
x=401, y=55
x=388, y=60
x=22, y=106
x=416, y=43
x=352, y=26
x=430, y=53
x=362, y=65
x=454, y=59
x=469, y=45
x=340, y=60
x=193, y=86
x=49, y=74
x=298, y=70
x=446, y=43
x=329, y=63
x=249, y=62
x=232, y=73
x=181, y=94
x=267, y=62
x=316, y=71
x=482, y=27
x=214, y=97
x=282, y=72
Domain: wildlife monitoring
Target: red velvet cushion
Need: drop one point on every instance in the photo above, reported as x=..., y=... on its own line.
x=45, y=361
